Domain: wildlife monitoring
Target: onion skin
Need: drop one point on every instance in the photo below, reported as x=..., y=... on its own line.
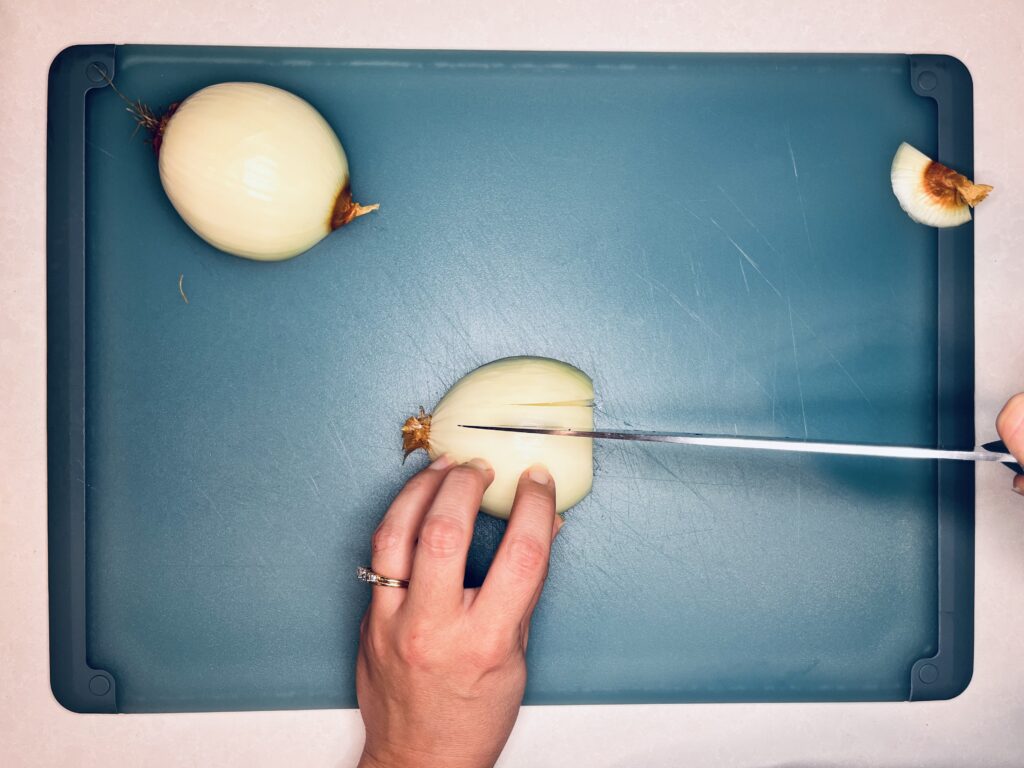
x=514, y=391
x=254, y=170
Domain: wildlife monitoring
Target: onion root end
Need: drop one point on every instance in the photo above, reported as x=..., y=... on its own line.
x=345, y=209
x=416, y=432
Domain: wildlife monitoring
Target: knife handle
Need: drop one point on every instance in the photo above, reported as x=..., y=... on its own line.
x=998, y=446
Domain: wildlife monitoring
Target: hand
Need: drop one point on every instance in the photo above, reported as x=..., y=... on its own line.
x=442, y=669
x=1010, y=425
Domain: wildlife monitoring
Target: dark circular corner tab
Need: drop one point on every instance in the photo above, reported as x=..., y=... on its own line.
x=928, y=673
x=926, y=81
x=97, y=72
x=99, y=685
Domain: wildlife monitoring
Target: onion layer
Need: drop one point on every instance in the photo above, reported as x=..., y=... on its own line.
x=515, y=392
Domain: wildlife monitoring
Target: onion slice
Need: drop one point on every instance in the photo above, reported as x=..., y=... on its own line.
x=930, y=192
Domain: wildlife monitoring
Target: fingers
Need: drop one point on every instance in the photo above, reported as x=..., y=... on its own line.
x=439, y=561
x=516, y=577
x=1010, y=425
x=395, y=537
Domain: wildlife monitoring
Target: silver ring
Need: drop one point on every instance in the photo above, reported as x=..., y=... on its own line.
x=372, y=577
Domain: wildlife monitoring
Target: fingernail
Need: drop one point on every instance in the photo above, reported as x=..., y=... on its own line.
x=539, y=474
x=1018, y=486
x=441, y=462
x=480, y=464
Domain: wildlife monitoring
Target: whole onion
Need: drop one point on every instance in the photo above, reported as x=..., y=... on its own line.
x=254, y=170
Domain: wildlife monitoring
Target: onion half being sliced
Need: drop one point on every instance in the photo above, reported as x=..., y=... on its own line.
x=515, y=392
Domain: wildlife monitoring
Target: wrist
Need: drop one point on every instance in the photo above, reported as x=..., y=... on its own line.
x=389, y=757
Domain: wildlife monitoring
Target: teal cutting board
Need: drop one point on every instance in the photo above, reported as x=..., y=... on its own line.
x=712, y=238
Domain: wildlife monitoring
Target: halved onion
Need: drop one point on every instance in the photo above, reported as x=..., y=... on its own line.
x=930, y=192
x=515, y=392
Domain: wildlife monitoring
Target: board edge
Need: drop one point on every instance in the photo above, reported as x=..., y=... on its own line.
x=947, y=673
x=74, y=72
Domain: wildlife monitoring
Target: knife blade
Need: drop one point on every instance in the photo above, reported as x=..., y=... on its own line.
x=773, y=444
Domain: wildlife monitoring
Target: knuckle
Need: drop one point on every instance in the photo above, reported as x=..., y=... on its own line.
x=1011, y=418
x=535, y=499
x=442, y=535
x=490, y=652
x=417, y=484
x=415, y=645
x=386, y=537
x=527, y=557
x=463, y=480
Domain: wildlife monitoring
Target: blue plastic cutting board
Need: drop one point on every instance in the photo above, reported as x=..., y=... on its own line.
x=712, y=238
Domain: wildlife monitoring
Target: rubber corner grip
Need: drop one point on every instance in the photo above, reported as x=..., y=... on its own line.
x=90, y=691
x=943, y=676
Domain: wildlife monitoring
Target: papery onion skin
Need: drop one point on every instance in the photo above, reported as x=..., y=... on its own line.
x=515, y=391
x=254, y=170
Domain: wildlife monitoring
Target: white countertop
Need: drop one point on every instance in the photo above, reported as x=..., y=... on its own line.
x=982, y=727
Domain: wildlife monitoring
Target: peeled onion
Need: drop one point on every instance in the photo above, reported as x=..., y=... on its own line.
x=254, y=170
x=515, y=392
x=930, y=192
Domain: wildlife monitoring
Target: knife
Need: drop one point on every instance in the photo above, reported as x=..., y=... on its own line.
x=989, y=452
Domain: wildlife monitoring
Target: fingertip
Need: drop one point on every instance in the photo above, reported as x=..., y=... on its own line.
x=557, y=524
x=1018, y=484
x=539, y=474
x=483, y=466
x=441, y=463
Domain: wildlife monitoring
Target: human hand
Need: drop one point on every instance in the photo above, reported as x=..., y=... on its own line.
x=442, y=669
x=1010, y=425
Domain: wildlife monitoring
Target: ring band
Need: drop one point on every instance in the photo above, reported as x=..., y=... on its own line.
x=372, y=577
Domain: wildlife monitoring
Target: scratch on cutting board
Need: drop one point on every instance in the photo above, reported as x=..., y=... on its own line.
x=743, y=272
x=775, y=379
x=796, y=362
x=746, y=218
x=647, y=270
x=703, y=324
x=799, y=317
x=343, y=452
x=746, y=256
x=835, y=359
x=777, y=292
x=702, y=497
x=181, y=289
x=792, y=156
x=100, y=149
x=799, y=192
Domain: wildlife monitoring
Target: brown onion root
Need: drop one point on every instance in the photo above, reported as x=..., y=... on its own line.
x=416, y=432
x=345, y=209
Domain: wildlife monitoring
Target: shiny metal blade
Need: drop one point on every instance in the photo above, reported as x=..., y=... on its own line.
x=765, y=444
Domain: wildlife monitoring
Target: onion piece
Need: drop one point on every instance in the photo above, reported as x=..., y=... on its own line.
x=254, y=170
x=930, y=192
x=514, y=392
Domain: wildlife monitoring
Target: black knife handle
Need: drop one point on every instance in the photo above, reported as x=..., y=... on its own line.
x=998, y=446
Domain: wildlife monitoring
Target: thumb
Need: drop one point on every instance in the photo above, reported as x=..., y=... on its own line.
x=1010, y=425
